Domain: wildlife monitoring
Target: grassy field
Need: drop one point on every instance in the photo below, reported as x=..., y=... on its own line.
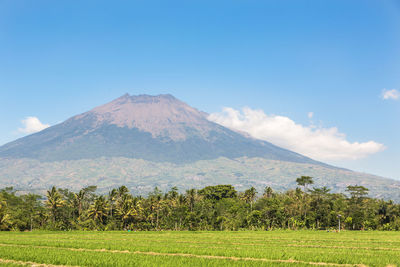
x=247, y=248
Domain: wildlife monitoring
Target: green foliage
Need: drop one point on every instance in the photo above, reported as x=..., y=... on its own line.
x=218, y=192
x=304, y=181
x=218, y=207
x=357, y=192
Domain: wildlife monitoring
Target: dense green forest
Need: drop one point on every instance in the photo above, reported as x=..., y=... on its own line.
x=218, y=207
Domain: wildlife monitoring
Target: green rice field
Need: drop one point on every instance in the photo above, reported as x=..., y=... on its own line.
x=242, y=248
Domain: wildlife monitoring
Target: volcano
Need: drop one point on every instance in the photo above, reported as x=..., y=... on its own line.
x=155, y=128
x=145, y=141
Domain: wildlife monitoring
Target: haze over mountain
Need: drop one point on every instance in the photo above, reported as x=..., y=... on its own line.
x=145, y=141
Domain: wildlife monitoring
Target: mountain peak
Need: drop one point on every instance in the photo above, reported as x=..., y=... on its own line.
x=161, y=115
x=147, y=98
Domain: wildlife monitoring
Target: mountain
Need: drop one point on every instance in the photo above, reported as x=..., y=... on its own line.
x=145, y=141
x=155, y=128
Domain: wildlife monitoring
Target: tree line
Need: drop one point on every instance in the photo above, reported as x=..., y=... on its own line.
x=218, y=207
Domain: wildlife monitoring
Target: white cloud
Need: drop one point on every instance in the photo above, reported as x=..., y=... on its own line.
x=32, y=125
x=390, y=94
x=310, y=115
x=316, y=142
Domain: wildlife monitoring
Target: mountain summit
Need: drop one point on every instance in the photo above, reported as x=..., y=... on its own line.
x=156, y=128
x=161, y=116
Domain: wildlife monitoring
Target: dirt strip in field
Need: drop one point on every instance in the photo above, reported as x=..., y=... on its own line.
x=33, y=264
x=263, y=242
x=345, y=247
x=189, y=255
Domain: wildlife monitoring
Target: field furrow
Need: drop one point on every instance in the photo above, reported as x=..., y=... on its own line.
x=181, y=255
x=30, y=263
x=247, y=248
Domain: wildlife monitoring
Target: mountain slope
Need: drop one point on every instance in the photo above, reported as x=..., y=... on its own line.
x=141, y=176
x=154, y=128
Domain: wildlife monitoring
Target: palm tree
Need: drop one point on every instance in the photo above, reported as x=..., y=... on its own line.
x=304, y=181
x=78, y=200
x=98, y=210
x=32, y=207
x=54, y=201
x=112, y=197
x=191, y=198
x=173, y=193
x=268, y=192
x=122, y=191
x=155, y=206
x=250, y=196
x=127, y=209
x=5, y=218
x=319, y=204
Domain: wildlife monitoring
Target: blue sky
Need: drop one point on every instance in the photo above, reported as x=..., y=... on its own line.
x=285, y=58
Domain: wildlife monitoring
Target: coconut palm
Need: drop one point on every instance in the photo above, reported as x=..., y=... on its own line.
x=127, y=209
x=78, y=200
x=249, y=196
x=191, y=198
x=5, y=218
x=112, y=197
x=54, y=202
x=98, y=211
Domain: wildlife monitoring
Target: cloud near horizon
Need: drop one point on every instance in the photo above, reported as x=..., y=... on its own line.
x=32, y=125
x=390, y=94
x=312, y=141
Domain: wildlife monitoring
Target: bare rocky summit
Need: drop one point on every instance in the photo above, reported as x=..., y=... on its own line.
x=162, y=116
